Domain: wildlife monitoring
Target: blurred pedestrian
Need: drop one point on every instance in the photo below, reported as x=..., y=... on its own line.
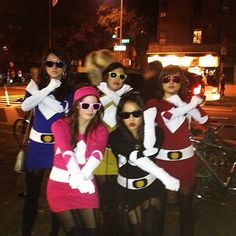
x=34, y=73
x=80, y=140
x=151, y=77
x=135, y=143
x=50, y=99
x=176, y=155
x=222, y=85
x=109, y=75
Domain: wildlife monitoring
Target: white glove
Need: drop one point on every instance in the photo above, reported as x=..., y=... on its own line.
x=195, y=113
x=53, y=84
x=149, y=166
x=77, y=181
x=176, y=100
x=149, y=131
x=53, y=104
x=124, y=89
x=179, y=111
x=196, y=100
x=32, y=87
x=32, y=101
x=72, y=164
x=111, y=94
x=89, y=167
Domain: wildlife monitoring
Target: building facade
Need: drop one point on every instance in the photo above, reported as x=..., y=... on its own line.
x=197, y=34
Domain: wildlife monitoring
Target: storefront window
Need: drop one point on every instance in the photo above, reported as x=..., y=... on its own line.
x=197, y=36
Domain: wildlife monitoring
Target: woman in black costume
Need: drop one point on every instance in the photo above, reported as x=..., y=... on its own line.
x=141, y=183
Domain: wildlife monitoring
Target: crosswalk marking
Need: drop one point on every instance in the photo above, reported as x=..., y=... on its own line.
x=14, y=99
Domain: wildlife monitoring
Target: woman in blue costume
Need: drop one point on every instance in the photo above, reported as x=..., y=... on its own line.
x=50, y=101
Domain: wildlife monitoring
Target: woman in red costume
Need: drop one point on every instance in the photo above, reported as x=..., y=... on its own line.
x=176, y=156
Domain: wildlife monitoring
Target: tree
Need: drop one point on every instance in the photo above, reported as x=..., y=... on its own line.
x=133, y=26
x=109, y=19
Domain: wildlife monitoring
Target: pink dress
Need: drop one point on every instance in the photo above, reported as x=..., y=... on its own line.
x=60, y=195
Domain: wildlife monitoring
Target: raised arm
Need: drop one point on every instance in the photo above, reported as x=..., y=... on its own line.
x=38, y=95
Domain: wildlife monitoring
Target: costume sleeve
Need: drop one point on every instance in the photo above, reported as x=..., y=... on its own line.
x=62, y=136
x=98, y=142
x=123, y=148
x=38, y=95
x=51, y=102
x=199, y=115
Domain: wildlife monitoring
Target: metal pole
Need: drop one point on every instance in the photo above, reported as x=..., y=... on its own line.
x=49, y=23
x=121, y=19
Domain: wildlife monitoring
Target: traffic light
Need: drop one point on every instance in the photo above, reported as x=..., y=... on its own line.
x=116, y=34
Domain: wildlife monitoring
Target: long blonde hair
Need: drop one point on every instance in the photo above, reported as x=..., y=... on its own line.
x=96, y=62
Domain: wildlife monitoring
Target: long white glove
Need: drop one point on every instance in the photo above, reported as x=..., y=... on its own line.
x=169, y=181
x=111, y=94
x=195, y=113
x=124, y=89
x=149, y=166
x=32, y=101
x=89, y=167
x=73, y=168
x=176, y=112
x=53, y=104
x=77, y=180
x=149, y=131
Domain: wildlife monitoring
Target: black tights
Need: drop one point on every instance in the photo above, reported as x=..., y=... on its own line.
x=79, y=222
x=34, y=179
x=146, y=219
x=186, y=220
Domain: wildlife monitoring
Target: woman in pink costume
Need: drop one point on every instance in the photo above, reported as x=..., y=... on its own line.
x=176, y=156
x=80, y=140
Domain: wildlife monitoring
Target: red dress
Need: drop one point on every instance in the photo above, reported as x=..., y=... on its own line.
x=176, y=155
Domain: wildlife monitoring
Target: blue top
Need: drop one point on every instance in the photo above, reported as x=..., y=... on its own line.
x=40, y=154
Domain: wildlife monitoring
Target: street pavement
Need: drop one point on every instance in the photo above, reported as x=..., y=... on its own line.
x=213, y=217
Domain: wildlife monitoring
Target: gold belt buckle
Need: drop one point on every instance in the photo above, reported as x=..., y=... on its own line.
x=174, y=155
x=141, y=183
x=47, y=138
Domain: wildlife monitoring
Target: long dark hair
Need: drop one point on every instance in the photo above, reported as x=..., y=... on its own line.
x=135, y=98
x=74, y=123
x=65, y=89
x=167, y=71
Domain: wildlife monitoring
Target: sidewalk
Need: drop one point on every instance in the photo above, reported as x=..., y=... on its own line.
x=230, y=90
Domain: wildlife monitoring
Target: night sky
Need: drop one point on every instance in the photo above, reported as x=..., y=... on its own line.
x=24, y=24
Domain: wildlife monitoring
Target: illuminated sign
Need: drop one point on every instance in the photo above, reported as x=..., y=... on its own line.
x=119, y=48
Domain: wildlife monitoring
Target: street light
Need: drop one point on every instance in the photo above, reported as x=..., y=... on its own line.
x=121, y=19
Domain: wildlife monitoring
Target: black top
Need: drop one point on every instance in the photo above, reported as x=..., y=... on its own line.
x=122, y=148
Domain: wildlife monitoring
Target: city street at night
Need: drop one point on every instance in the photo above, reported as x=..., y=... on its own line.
x=212, y=216
x=125, y=105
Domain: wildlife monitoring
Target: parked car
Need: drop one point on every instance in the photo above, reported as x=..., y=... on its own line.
x=195, y=84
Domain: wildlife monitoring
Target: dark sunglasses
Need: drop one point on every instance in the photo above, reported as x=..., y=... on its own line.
x=175, y=79
x=95, y=106
x=58, y=64
x=126, y=115
x=114, y=75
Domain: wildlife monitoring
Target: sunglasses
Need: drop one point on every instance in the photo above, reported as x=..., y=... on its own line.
x=58, y=64
x=175, y=79
x=126, y=115
x=95, y=106
x=114, y=75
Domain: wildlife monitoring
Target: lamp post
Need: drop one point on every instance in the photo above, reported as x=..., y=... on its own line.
x=121, y=19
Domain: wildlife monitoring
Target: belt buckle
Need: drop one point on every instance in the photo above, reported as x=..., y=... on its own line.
x=47, y=138
x=174, y=155
x=141, y=183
